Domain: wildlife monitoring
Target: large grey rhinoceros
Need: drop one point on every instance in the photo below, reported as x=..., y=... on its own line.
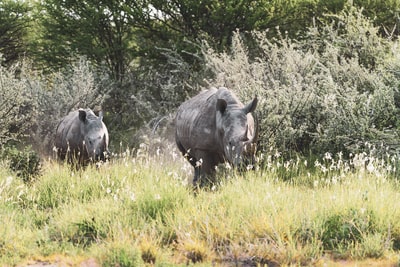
x=82, y=137
x=215, y=127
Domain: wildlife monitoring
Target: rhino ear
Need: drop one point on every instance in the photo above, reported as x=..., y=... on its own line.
x=251, y=106
x=100, y=115
x=82, y=115
x=221, y=105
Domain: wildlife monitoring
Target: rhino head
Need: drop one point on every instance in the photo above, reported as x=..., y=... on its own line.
x=95, y=135
x=236, y=131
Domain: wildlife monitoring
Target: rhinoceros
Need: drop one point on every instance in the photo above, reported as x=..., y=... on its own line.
x=214, y=127
x=82, y=137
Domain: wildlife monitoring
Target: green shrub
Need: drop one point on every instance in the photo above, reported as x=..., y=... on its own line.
x=332, y=91
x=25, y=163
x=347, y=228
x=87, y=232
x=122, y=255
x=17, y=105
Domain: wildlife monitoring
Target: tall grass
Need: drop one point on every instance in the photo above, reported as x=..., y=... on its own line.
x=139, y=209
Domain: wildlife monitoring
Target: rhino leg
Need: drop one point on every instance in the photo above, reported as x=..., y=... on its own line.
x=192, y=160
x=197, y=174
x=204, y=168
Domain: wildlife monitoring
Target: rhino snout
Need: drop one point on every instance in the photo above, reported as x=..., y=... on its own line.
x=96, y=149
x=242, y=154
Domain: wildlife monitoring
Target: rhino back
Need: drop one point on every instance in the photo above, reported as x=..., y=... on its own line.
x=68, y=132
x=195, y=121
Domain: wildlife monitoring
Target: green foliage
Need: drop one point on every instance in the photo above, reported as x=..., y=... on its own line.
x=347, y=228
x=121, y=255
x=14, y=23
x=17, y=110
x=25, y=163
x=354, y=34
x=326, y=83
x=146, y=98
x=102, y=32
x=385, y=14
x=88, y=231
x=331, y=92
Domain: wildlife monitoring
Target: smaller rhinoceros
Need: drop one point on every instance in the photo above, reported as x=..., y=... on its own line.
x=214, y=127
x=82, y=137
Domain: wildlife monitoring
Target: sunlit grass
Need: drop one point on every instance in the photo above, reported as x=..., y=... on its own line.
x=140, y=208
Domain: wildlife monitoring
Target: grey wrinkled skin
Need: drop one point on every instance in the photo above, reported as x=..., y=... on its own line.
x=215, y=127
x=82, y=137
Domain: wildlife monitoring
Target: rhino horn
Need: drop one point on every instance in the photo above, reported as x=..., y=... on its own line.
x=253, y=139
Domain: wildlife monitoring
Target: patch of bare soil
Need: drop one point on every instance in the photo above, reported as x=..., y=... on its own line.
x=61, y=263
x=392, y=262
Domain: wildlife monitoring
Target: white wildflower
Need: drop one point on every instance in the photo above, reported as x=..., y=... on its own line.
x=328, y=156
x=370, y=167
x=199, y=162
x=228, y=166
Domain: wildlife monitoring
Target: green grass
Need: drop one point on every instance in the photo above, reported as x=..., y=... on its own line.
x=140, y=210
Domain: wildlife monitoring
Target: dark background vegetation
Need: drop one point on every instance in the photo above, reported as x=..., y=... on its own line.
x=326, y=71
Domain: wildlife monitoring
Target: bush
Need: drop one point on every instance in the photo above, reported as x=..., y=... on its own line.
x=150, y=93
x=123, y=255
x=347, y=228
x=17, y=110
x=32, y=104
x=25, y=163
x=332, y=91
x=56, y=94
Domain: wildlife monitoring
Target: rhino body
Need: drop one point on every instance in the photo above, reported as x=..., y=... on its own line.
x=215, y=127
x=82, y=137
